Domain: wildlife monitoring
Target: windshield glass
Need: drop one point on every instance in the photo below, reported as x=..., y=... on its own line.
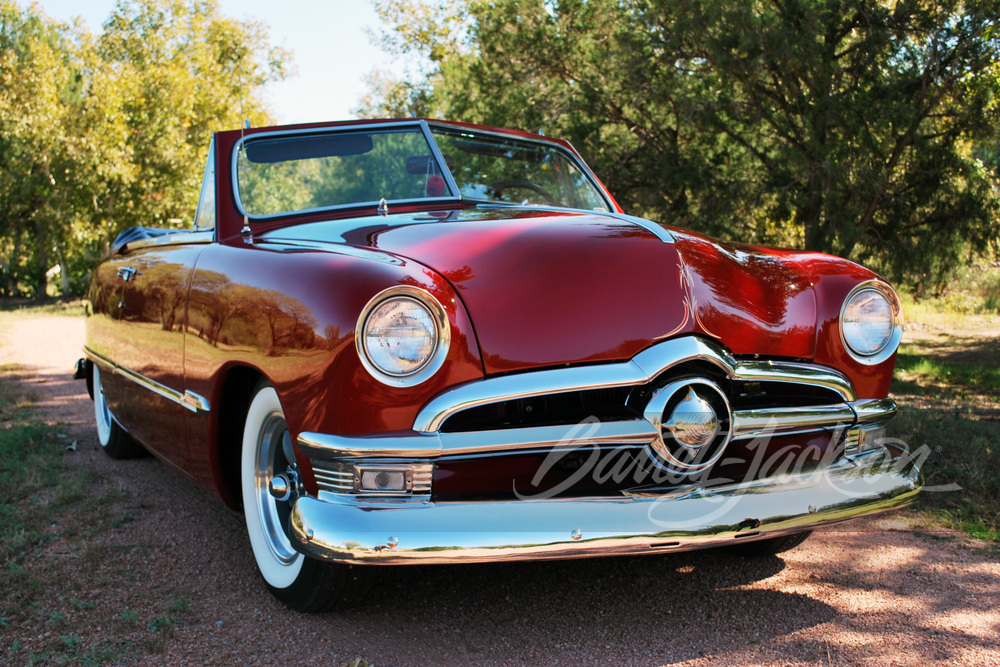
x=501, y=169
x=280, y=174
x=301, y=172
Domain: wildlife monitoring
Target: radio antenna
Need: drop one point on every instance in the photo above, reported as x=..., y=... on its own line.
x=246, y=232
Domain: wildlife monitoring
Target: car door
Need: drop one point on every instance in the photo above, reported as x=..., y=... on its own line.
x=151, y=324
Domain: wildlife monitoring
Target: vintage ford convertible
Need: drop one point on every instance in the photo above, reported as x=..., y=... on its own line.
x=416, y=341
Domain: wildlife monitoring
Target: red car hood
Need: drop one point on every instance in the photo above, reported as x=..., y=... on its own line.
x=549, y=288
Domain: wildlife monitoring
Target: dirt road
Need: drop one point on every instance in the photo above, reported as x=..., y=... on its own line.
x=873, y=591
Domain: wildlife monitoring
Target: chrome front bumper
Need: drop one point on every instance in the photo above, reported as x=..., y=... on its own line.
x=343, y=524
x=395, y=533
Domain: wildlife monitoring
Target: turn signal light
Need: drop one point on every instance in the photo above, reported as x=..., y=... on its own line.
x=382, y=480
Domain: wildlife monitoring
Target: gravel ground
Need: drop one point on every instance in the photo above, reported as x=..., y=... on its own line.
x=875, y=591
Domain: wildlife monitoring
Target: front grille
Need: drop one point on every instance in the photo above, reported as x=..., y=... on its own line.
x=552, y=409
x=758, y=395
x=616, y=469
x=623, y=403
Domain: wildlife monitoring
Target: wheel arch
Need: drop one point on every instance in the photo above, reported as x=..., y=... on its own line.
x=237, y=387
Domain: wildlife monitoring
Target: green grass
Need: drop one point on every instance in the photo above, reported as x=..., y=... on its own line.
x=947, y=384
x=964, y=451
x=943, y=374
x=50, y=515
x=971, y=290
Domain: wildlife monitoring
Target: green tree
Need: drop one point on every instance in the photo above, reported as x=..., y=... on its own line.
x=836, y=125
x=37, y=81
x=102, y=133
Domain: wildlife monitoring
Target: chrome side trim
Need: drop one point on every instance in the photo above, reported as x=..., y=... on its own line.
x=746, y=424
x=650, y=226
x=640, y=369
x=402, y=532
x=182, y=237
x=187, y=399
x=194, y=402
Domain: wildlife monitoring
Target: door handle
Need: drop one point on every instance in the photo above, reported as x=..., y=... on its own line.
x=127, y=273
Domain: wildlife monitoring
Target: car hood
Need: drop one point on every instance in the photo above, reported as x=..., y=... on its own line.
x=547, y=288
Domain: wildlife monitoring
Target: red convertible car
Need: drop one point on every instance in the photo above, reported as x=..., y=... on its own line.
x=415, y=341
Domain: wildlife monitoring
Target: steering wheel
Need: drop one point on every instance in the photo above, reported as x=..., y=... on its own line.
x=500, y=186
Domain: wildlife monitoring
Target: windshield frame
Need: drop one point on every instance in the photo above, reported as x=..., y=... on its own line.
x=442, y=166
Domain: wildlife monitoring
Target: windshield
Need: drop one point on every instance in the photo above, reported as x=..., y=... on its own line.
x=302, y=172
x=500, y=169
x=280, y=174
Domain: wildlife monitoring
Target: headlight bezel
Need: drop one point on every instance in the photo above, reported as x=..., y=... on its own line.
x=442, y=336
x=895, y=325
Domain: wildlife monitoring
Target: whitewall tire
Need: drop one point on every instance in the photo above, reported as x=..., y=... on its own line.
x=303, y=583
x=115, y=441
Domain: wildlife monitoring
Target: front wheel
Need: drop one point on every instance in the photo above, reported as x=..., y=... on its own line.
x=115, y=441
x=302, y=583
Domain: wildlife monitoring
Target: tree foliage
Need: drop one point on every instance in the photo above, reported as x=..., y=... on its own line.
x=99, y=133
x=847, y=126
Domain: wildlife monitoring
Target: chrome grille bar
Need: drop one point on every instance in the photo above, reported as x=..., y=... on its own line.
x=641, y=369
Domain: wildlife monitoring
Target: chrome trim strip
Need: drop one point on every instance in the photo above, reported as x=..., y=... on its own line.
x=512, y=387
x=194, y=402
x=182, y=237
x=874, y=409
x=403, y=532
x=333, y=481
x=774, y=421
x=321, y=446
x=746, y=424
x=439, y=156
x=650, y=226
x=796, y=373
x=325, y=447
x=187, y=399
x=640, y=369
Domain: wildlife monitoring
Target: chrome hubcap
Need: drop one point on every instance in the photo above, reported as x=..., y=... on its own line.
x=270, y=463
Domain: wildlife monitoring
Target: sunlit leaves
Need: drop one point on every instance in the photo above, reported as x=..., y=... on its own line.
x=104, y=132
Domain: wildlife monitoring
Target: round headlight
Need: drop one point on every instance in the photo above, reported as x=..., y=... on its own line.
x=402, y=336
x=871, y=322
